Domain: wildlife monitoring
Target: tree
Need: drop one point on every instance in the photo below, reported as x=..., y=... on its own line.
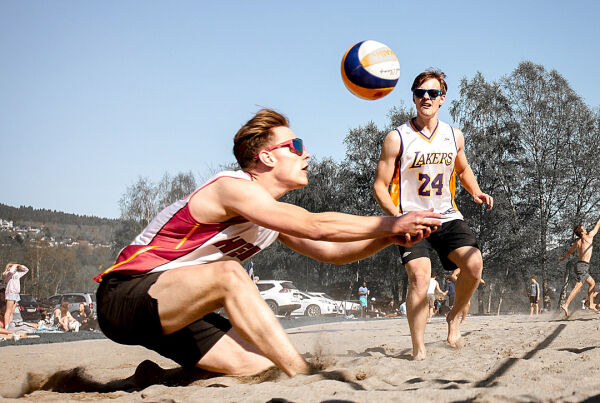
x=139, y=204
x=144, y=199
x=545, y=110
x=491, y=146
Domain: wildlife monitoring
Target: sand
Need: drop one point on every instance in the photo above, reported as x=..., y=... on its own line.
x=504, y=358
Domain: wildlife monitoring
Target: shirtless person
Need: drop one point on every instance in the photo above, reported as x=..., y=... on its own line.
x=165, y=286
x=582, y=269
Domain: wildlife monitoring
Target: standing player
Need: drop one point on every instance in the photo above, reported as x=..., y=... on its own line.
x=419, y=161
x=534, y=296
x=164, y=287
x=584, y=246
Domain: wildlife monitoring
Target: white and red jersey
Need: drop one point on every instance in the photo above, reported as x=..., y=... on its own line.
x=174, y=239
x=424, y=174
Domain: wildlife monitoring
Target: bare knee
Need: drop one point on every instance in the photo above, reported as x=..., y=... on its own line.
x=472, y=271
x=234, y=280
x=419, y=282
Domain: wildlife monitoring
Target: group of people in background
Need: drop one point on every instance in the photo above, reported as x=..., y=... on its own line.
x=60, y=319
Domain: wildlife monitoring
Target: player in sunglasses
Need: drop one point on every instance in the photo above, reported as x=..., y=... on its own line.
x=162, y=290
x=418, y=164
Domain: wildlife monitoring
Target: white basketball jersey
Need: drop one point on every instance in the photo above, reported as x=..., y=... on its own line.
x=424, y=175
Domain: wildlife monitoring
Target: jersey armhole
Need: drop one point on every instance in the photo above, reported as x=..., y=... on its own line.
x=454, y=137
x=401, y=144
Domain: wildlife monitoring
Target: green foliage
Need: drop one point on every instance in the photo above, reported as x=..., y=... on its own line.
x=529, y=138
x=144, y=199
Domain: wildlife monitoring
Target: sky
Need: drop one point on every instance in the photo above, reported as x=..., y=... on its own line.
x=95, y=95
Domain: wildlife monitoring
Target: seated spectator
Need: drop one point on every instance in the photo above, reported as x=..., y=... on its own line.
x=373, y=311
x=444, y=308
x=392, y=311
x=402, y=309
x=84, y=317
x=64, y=318
x=47, y=323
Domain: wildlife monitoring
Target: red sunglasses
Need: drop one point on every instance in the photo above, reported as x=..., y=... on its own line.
x=295, y=145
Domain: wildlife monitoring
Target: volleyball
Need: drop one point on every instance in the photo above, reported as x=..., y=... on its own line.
x=370, y=69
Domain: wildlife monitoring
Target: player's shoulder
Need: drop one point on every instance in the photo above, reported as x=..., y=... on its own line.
x=230, y=178
x=456, y=130
x=226, y=183
x=404, y=127
x=396, y=133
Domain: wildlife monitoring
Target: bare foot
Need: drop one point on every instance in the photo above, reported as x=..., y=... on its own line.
x=454, y=338
x=565, y=310
x=419, y=355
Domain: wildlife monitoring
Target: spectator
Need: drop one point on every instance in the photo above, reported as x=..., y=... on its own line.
x=65, y=320
x=449, y=288
x=392, y=310
x=12, y=273
x=363, y=293
x=84, y=317
x=46, y=323
x=434, y=287
x=373, y=310
x=402, y=309
x=443, y=308
x=534, y=296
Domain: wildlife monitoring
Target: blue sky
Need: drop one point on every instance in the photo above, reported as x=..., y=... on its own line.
x=94, y=95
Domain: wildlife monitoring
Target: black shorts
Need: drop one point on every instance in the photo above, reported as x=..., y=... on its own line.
x=450, y=236
x=533, y=299
x=582, y=271
x=128, y=315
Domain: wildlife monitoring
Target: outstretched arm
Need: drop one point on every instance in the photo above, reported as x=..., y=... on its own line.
x=439, y=290
x=345, y=252
x=230, y=197
x=594, y=231
x=569, y=252
x=466, y=176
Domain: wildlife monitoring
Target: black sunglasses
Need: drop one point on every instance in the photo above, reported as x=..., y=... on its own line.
x=433, y=94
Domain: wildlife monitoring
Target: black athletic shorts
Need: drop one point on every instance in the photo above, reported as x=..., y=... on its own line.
x=450, y=236
x=128, y=315
x=582, y=271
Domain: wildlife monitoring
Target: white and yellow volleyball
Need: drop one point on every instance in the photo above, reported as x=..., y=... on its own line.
x=370, y=69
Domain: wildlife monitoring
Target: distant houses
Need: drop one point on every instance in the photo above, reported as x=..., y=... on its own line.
x=6, y=225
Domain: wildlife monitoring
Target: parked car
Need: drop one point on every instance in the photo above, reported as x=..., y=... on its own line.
x=28, y=308
x=314, y=306
x=343, y=307
x=279, y=295
x=74, y=299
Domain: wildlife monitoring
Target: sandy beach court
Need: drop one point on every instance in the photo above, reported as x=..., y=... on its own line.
x=504, y=358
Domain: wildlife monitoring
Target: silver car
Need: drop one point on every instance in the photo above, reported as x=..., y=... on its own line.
x=74, y=299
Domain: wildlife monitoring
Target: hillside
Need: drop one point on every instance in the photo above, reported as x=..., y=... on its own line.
x=60, y=225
